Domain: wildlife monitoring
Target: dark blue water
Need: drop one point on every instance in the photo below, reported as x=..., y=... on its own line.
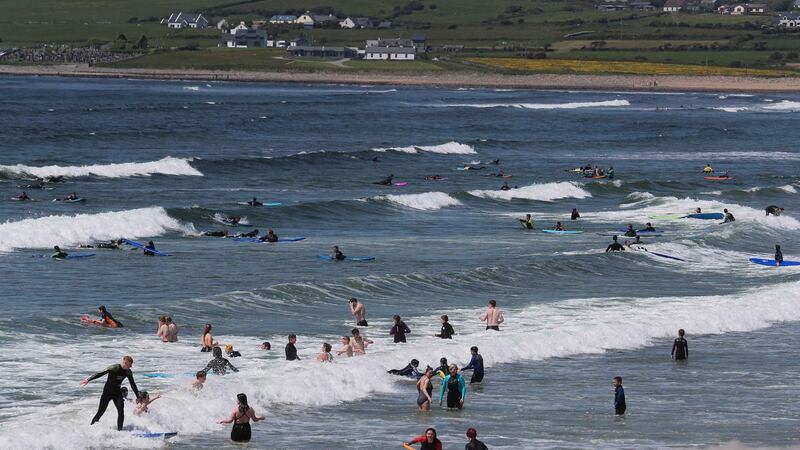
x=160, y=160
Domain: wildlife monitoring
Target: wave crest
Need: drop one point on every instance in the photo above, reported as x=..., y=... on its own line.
x=164, y=166
x=449, y=148
x=546, y=192
x=427, y=201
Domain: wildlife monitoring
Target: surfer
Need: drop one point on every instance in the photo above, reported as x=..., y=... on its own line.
x=614, y=246
x=71, y=196
x=698, y=211
x=142, y=402
x=429, y=441
x=708, y=169
x=106, y=319
x=610, y=172
x=474, y=443
x=325, y=354
x=728, y=216
x=255, y=202
x=232, y=220
x=648, y=227
x=575, y=214
x=359, y=311
x=207, y=340
x=337, y=254
x=386, y=181
x=240, y=417
x=218, y=364
x=54, y=179
x=527, y=222
x=456, y=388
x=505, y=186
x=399, y=329
x=269, y=237
x=347, y=348
x=58, y=253
x=360, y=343
x=778, y=255
x=23, y=196
x=493, y=316
x=425, y=390
x=249, y=234
x=774, y=210
x=433, y=178
x=476, y=365
x=559, y=227
x=410, y=370
x=447, y=331
x=222, y=233
x=630, y=232
x=291, y=350
x=680, y=348
x=150, y=246
x=117, y=373
x=619, y=396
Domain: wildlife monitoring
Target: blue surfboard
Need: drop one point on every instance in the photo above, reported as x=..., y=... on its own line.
x=263, y=204
x=771, y=262
x=706, y=216
x=348, y=258
x=164, y=435
x=259, y=241
x=562, y=231
x=142, y=246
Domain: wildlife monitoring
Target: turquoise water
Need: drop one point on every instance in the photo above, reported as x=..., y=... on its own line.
x=159, y=160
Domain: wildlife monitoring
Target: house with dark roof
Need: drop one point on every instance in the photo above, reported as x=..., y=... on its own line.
x=282, y=19
x=311, y=20
x=244, y=38
x=788, y=20
x=356, y=22
x=304, y=51
x=185, y=20
x=390, y=53
x=674, y=5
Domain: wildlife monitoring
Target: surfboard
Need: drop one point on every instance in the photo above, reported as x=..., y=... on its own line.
x=69, y=256
x=666, y=216
x=772, y=263
x=706, y=216
x=259, y=241
x=172, y=375
x=348, y=258
x=436, y=179
x=77, y=200
x=408, y=447
x=142, y=246
x=718, y=178
x=563, y=231
x=163, y=435
x=400, y=183
x=264, y=204
x=17, y=199
x=642, y=232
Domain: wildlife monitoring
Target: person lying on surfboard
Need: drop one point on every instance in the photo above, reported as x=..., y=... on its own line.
x=255, y=202
x=106, y=319
x=337, y=254
x=249, y=234
x=23, y=196
x=71, y=196
x=649, y=228
x=386, y=181
x=269, y=237
x=58, y=253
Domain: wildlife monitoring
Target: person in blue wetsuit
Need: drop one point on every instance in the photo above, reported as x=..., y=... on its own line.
x=619, y=396
x=649, y=227
x=455, y=387
x=476, y=364
x=778, y=255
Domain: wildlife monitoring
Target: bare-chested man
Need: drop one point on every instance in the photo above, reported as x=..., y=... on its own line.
x=359, y=342
x=493, y=316
x=347, y=349
x=359, y=312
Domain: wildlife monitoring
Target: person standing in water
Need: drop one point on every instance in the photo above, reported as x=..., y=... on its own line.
x=615, y=246
x=359, y=311
x=455, y=387
x=219, y=365
x=575, y=214
x=527, y=222
x=728, y=216
x=778, y=255
x=399, y=330
x=359, y=342
x=447, y=330
x=424, y=390
x=476, y=364
x=112, y=390
x=474, y=443
x=325, y=354
x=680, y=348
x=291, y=350
x=207, y=339
x=240, y=417
x=619, y=396
x=347, y=348
x=493, y=316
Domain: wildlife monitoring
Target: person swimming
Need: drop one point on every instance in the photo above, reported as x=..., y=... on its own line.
x=615, y=246
x=630, y=232
x=411, y=370
x=218, y=364
x=249, y=234
x=222, y=233
x=649, y=228
x=106, y=319
x=23, y=196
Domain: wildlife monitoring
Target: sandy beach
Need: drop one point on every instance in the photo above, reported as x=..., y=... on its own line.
x=450, y=79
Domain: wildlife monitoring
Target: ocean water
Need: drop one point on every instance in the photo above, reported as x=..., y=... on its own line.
x=160, y=160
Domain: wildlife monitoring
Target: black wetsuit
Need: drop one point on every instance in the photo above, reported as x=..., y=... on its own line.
x=774, y=210
x=619, y=400
x=447, y=331
x=250, y=234
x=649, y=229
x=406, y=371
x=575, y=215
x=108, y=319
x=680, y=349
x=615, y=247
x=338, y=256
x=147, y=251
x=219, y=366
x=291, y=352
x=214, y=233
x=475, y=444
x=778, y=256
x=476, y=364
x=399, y=331
x=528, y=223
x=112, y=392
x=453, y=392
x=729, y=218
x=630, y=233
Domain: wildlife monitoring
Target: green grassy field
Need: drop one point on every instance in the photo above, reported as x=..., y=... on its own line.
x=498, y=28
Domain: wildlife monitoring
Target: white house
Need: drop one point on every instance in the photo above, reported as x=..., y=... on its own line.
x=311, y=20
x=738, y=10
x=789, y=20
x=240, y=27
x=185, y=20
x=222, y=24
x=755, y=8
x=282, y=19
x=356, y=22
x=673, y=5
x=390, y=53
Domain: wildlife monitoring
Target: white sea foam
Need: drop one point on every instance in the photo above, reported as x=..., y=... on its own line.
x=732, y=109
x=164, y=166
x=789, y=189
x=571, y=105
x=192, y=88
x=783, y=105
x=449, y=148
x=45, y=232
x=428, y=201
x=546, y=192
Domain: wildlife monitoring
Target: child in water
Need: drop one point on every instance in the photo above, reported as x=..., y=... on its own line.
x=325, y=354
x=142, y=402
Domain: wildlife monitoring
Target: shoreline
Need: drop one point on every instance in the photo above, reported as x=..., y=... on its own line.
x=431, y=79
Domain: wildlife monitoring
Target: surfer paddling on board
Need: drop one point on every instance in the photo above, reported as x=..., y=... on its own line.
x=23, y=196
x=359, y=312
x=255, y=202
x=150, y=246
x=386, y=181
x=269, y=237
x=774, y=210
x=58, y=253
x=112, y=390
x=106, y=319
x=630, y=232
x=649, y=228
x=493, y=316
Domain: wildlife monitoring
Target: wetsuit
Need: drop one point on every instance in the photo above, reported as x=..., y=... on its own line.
x=241, y=432
x=528, y=223
x=475, y=444
x=109, y=245
x=112, y=392
x=147, y=251
x=610, y=174
x=476, y=364
x=59, y=255
x=649, y=229
x=250, y=234
x=456, y=390
x=407, y=371
x=399, y=331
x=778, y=257
x=619, y=400
x=447, y=331
x=680, y=349
x=437, y=444
x=505, y=187
x=729, y=218
x=421, y=398
x=234, y=354
x=386, y=181
x=630, y=233
x=362, y=323
x=575, y=215
x=774, y=210
x=291, y=352
x=615, y=247
x=214, y=233
x=219, y=366
x=338, y=256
